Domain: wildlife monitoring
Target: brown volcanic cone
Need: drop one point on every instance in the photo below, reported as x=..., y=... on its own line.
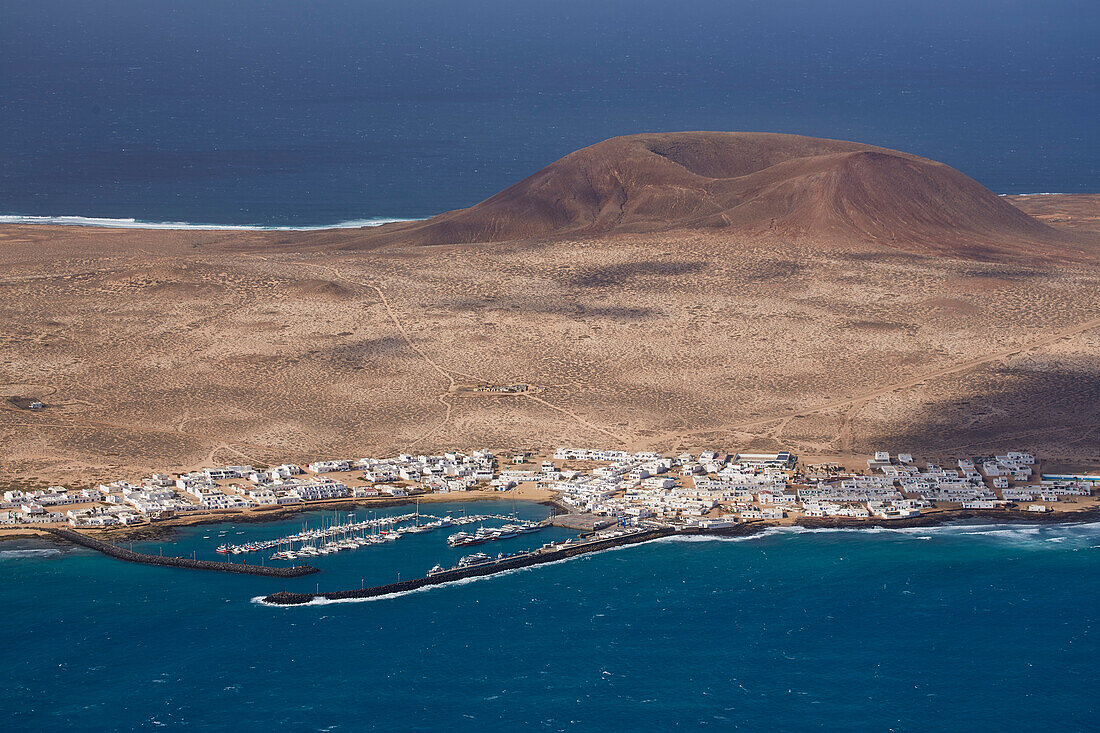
x=794, y=186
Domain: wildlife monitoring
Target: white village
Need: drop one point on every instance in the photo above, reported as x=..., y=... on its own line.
x=710, y=489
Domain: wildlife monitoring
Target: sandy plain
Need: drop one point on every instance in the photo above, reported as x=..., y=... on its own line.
x=162, y=351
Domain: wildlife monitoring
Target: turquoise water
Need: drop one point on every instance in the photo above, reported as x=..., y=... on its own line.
x=955, y=628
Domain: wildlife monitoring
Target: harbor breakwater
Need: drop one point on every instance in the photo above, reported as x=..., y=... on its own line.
x=538, y=557
x=122, y=553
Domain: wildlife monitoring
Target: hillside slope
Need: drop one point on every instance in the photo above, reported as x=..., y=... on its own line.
x=793, y=186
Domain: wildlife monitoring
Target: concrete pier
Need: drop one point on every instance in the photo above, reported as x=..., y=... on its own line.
x=580, y=522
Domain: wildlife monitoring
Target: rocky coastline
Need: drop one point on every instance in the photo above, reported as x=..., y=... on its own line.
x=947, y=516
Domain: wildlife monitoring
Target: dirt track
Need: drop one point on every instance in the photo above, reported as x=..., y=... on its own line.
x=160, y=351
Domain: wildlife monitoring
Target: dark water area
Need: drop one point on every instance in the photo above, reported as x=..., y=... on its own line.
x=290, y=114
x=964, y=627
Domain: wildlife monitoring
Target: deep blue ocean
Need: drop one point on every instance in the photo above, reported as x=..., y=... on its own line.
x=282, y=113
x=974, y=627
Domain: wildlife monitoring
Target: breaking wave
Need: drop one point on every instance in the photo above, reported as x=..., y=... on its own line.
x=259, y=600
x=1030, y=534
x=92, y=221
x=23, y=554
x=1085, y=535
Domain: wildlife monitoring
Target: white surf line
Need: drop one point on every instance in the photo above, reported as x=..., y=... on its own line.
x=30, y=553
x=321, y=601
x=1020, y=532
x=1024, y=532
x=109, y=223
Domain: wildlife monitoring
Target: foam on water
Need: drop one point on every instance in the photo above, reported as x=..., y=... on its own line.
x=1076, y=536
x=23, y=554
x=93, y=221
x=770, y=531
x=1058, y=535
x=259, y=600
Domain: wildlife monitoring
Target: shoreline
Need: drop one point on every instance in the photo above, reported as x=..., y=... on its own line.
x=107, y=222
x=948, y=516
x=168, y=527
x=53, y=538
x=134, y=223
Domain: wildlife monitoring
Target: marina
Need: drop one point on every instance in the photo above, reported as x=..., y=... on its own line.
x=610, y=498
x=333, y=532
x=338, y=537
x=489, y=534
x=481, y=564
x=194, y=547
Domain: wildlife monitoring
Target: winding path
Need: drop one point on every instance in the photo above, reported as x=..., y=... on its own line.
x=578, y=418
x=448, y=374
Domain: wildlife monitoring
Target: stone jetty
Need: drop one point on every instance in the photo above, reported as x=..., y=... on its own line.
x=122, y=553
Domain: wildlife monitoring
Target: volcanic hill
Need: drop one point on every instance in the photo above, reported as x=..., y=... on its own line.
x=793, y=186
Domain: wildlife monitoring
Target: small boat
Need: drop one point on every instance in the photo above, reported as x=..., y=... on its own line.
x=507, y=531
x=478, y=558
x=458, y=539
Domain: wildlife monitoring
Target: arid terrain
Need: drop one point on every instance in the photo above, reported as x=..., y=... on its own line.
x=161, y=350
